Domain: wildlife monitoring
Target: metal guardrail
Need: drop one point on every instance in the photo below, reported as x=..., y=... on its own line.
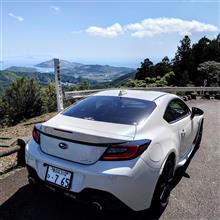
x=202, y=90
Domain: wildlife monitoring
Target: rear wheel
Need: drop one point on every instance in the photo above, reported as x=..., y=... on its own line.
x=164, y=185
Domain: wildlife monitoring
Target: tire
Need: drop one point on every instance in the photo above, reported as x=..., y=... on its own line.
x=164, y=185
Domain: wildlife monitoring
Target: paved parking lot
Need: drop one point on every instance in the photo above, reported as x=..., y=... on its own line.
x=196, y=193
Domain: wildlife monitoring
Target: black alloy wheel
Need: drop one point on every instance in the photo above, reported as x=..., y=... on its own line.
x=164, y=185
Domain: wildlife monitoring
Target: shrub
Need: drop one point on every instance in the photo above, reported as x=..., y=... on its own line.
x=49, y=100
x=23, y=99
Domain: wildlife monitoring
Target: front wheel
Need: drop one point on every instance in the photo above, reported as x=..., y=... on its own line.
x=164, y=185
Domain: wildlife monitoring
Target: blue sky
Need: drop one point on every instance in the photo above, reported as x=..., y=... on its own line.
x=105, y=32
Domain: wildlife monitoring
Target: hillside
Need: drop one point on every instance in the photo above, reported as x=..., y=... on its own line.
x=21, y=69
x=6, y=77
x=99, y=73
x=71, y=73
x=123, y=79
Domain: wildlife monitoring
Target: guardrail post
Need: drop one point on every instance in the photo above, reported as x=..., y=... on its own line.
x=21, y=153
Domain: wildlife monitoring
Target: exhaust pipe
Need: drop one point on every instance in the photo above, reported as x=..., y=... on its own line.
x=31, y=180
x=97, y=206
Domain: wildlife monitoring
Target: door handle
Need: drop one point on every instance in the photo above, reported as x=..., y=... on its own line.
x=183, y=133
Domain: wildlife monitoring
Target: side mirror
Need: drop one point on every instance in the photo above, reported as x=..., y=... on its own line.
x=196, y=112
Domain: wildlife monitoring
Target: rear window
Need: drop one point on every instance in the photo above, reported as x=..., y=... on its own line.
x=111, y=109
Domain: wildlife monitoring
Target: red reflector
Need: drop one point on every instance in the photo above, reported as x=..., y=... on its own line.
x=125, y=151
x=36, y=135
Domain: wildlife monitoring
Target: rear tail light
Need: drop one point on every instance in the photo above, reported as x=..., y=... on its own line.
x=125, y=151
x=36, y=135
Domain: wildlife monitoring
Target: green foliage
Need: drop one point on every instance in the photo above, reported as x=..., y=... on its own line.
x=204, y=50
x=188, y=59
x=135, y=83
x=182, y=62
x=122, y=80
x=3, y=113
x=185, y=64
x=152, y=81
x=146, y=70
x=163, y=67
x=6, y=77
x=210, y=71
x=23, y=99
x=48, y=95
x=83, y=85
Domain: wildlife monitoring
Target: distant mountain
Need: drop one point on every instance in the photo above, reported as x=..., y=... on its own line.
x=63, y=64
x=21, y=69
x=71, y=73
x=99, y=73
x=6, y=77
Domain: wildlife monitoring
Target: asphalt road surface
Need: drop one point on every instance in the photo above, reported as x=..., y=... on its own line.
x=196, y=192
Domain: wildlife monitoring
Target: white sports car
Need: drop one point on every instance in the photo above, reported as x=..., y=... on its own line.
x=115, y=147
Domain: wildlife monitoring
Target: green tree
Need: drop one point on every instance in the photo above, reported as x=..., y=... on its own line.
x=209, y=71
x=163, y=67
x=48, y=95
x=158, y=81
x=83, y=85
x=131, y=83
x=146, y=70
x=23, y=99
x=182, y=62
x=4, y=120
x=202, y=51
x=152, y=81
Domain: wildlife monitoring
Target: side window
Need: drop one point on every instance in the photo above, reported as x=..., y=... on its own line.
x=176, y=110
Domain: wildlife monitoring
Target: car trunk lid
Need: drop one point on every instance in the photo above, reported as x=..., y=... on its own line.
x=79, y=140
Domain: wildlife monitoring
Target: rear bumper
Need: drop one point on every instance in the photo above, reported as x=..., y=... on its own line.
x=132, y=182
x=86, y=196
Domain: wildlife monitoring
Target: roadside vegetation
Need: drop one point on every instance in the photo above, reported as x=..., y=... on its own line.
x=24, y=98
x=192, y=66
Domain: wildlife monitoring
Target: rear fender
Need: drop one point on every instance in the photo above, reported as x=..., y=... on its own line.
x=156, y=154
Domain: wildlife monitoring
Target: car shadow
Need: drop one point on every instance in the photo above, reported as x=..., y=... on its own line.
x=27, y=203
x=181, y=172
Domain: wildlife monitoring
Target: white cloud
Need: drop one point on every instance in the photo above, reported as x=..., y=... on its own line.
x=150, y=27
x=153, y=26
x=109, y=32
x=55, y=8
x=16, y=17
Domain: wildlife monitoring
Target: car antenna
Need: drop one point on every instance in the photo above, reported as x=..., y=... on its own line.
x=122, y=92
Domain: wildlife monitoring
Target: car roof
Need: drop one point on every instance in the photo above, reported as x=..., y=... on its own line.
x=128, y=93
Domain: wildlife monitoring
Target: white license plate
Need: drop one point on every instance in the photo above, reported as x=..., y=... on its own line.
x=59, y=177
